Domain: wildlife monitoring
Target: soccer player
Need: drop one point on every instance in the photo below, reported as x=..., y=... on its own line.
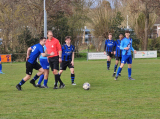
x=68, y=58
x=45, y=65
x=126, y=47
x=109, y=48
x=1, y=66
x=53, y=45
x=118, y=53
x=32, y=53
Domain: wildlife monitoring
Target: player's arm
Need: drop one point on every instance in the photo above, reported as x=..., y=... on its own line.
x=133, y=49
x=115, y=44
x=72, y=62
x=60, y=51
x=28, y=52
x=45, y=54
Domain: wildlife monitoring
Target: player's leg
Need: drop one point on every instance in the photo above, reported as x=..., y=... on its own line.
x=1, y=68
x=57, y=76
x=41, y=71
x=108, y=59
x=120, y=58
x=115, y=67
x=72, y=76
x=42, y=76
x=124, y=58
x=130, y=68
x=29, y=70
x=46, y=73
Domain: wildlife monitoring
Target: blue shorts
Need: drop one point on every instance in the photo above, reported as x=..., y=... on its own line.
x=126, y=58
x=44, y=63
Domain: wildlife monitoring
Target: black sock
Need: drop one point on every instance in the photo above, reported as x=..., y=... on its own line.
x=57, y=77
x=56, y=80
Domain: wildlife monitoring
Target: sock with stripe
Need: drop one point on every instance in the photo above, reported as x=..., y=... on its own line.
x=72, y=77
x=22, y=82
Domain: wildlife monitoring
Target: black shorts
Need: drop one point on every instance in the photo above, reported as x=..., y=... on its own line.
x=54, y=62
x=65, y=64
x=30, y=67
x=118, y=58
x=109, y=54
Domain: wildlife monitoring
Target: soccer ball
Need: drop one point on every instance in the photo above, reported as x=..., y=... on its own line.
x=86, y=86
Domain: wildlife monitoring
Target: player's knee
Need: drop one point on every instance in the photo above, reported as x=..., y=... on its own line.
x=72, y=72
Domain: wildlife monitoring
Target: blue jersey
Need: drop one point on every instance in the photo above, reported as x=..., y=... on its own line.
x=117, y=48
x=0, y=58
x=109, y=45
x=67, y=52
x=41, y=57
x=36, y=51
x=126, y=43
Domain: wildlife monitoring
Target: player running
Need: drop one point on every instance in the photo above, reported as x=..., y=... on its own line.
x=118, y=53
x=68, y=58
x=109, y=48
x=32, y=53
x=126, y=47
x=1, y=66
x=53, y=45
x=45, y=65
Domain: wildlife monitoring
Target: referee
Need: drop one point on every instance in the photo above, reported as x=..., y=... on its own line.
x=53, y=45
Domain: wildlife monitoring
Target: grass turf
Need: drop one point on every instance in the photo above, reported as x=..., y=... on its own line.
x=122, y=99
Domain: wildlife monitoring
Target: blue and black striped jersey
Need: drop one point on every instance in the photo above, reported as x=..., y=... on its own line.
x=109, y=45
x=67, y=52
x=117, y=48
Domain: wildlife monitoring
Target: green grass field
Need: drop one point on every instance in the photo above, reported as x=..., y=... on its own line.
x=107, y=98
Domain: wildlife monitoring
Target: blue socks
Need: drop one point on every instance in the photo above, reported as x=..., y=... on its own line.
x=119, y=71
x=72, y=78
x=22, y=82
x=41, y=79
x=129, y=72
x=36, y=77
x=115, y=68
x=0, y=67
x=45, y=82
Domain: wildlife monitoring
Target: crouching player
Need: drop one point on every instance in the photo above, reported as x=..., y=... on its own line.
x=118, y=53
x=126, y=47
x=68, y=58
x=45, y=65
x=32, y=53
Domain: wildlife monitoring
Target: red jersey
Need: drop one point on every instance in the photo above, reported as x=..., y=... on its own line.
x=53, y=46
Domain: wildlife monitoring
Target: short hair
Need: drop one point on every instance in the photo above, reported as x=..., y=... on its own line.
x=42, y=38
x=67, y=37
x=49, y=31
x=109, y=33
x=121, y=34
x=127, y=31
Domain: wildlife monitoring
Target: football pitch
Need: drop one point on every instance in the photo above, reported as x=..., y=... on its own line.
x=106, y=99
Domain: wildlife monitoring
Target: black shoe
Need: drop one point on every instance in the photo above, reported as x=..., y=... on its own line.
x=43, y=86
x=130, y=78
x=18, y=87
x=113, y=74
x=62, y=86
x=108, y=68
x=116, y=78
x=119, y=74
x=55, y=87
x=33, y=82
x=38, y=85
